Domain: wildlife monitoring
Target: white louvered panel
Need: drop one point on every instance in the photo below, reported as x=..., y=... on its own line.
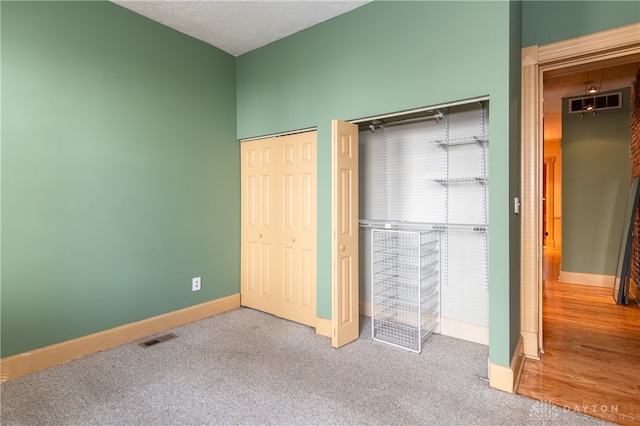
x=412, y=161
x=464, y=297
x=371, y=192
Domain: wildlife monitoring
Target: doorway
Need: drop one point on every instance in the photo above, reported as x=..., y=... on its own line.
x=544, y=379
x=608, y=48
x=586, y=167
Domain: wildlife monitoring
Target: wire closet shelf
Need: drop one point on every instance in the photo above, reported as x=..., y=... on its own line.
x=405, y=287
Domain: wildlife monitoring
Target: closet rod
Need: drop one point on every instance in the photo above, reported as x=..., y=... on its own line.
x=437, y=116
x=418, y=110
x=275, y=135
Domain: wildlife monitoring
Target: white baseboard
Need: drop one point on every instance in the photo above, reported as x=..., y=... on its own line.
x=365, y=308
x=464, y=330
x=586, y=279
x=449, y=327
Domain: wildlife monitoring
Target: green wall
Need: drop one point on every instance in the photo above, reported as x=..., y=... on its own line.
x=119, y=144
x=549, y=21
x=596, y=175
x=120, y=171
x=393, y=56
x=515, y=78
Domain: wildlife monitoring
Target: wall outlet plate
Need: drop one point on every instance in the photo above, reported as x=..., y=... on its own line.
x=196, y=283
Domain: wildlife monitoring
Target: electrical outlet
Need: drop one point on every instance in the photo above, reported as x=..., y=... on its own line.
x=195, y=283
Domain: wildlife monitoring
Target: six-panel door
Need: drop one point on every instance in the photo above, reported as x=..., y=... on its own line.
x=279, y=226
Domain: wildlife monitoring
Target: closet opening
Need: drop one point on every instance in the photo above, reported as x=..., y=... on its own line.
x=426, y=172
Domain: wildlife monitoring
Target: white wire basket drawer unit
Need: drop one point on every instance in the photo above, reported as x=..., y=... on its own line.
x=405, y=280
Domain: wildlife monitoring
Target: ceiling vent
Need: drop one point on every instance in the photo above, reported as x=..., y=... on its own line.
x=595, y=103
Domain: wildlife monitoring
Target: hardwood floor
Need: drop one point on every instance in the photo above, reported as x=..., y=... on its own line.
x=591, y=359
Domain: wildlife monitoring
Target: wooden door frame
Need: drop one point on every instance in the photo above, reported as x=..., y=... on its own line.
x=618, y=45
x=549, y=200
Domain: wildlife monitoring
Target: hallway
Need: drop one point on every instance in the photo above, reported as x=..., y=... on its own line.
x=591, y=362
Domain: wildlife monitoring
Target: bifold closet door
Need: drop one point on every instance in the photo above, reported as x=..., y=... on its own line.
x=257, y=230
x=345, y=298
x=279, y=226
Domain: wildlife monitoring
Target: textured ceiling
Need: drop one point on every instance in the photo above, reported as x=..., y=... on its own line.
x=240, y=26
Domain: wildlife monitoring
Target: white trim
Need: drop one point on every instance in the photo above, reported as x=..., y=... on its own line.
x=586, y=279
x=277, y=135
x=616, y=42
x=615, y=46
x=464, y=330
x=531, y=214
x=449, y=327
x=365, y=308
